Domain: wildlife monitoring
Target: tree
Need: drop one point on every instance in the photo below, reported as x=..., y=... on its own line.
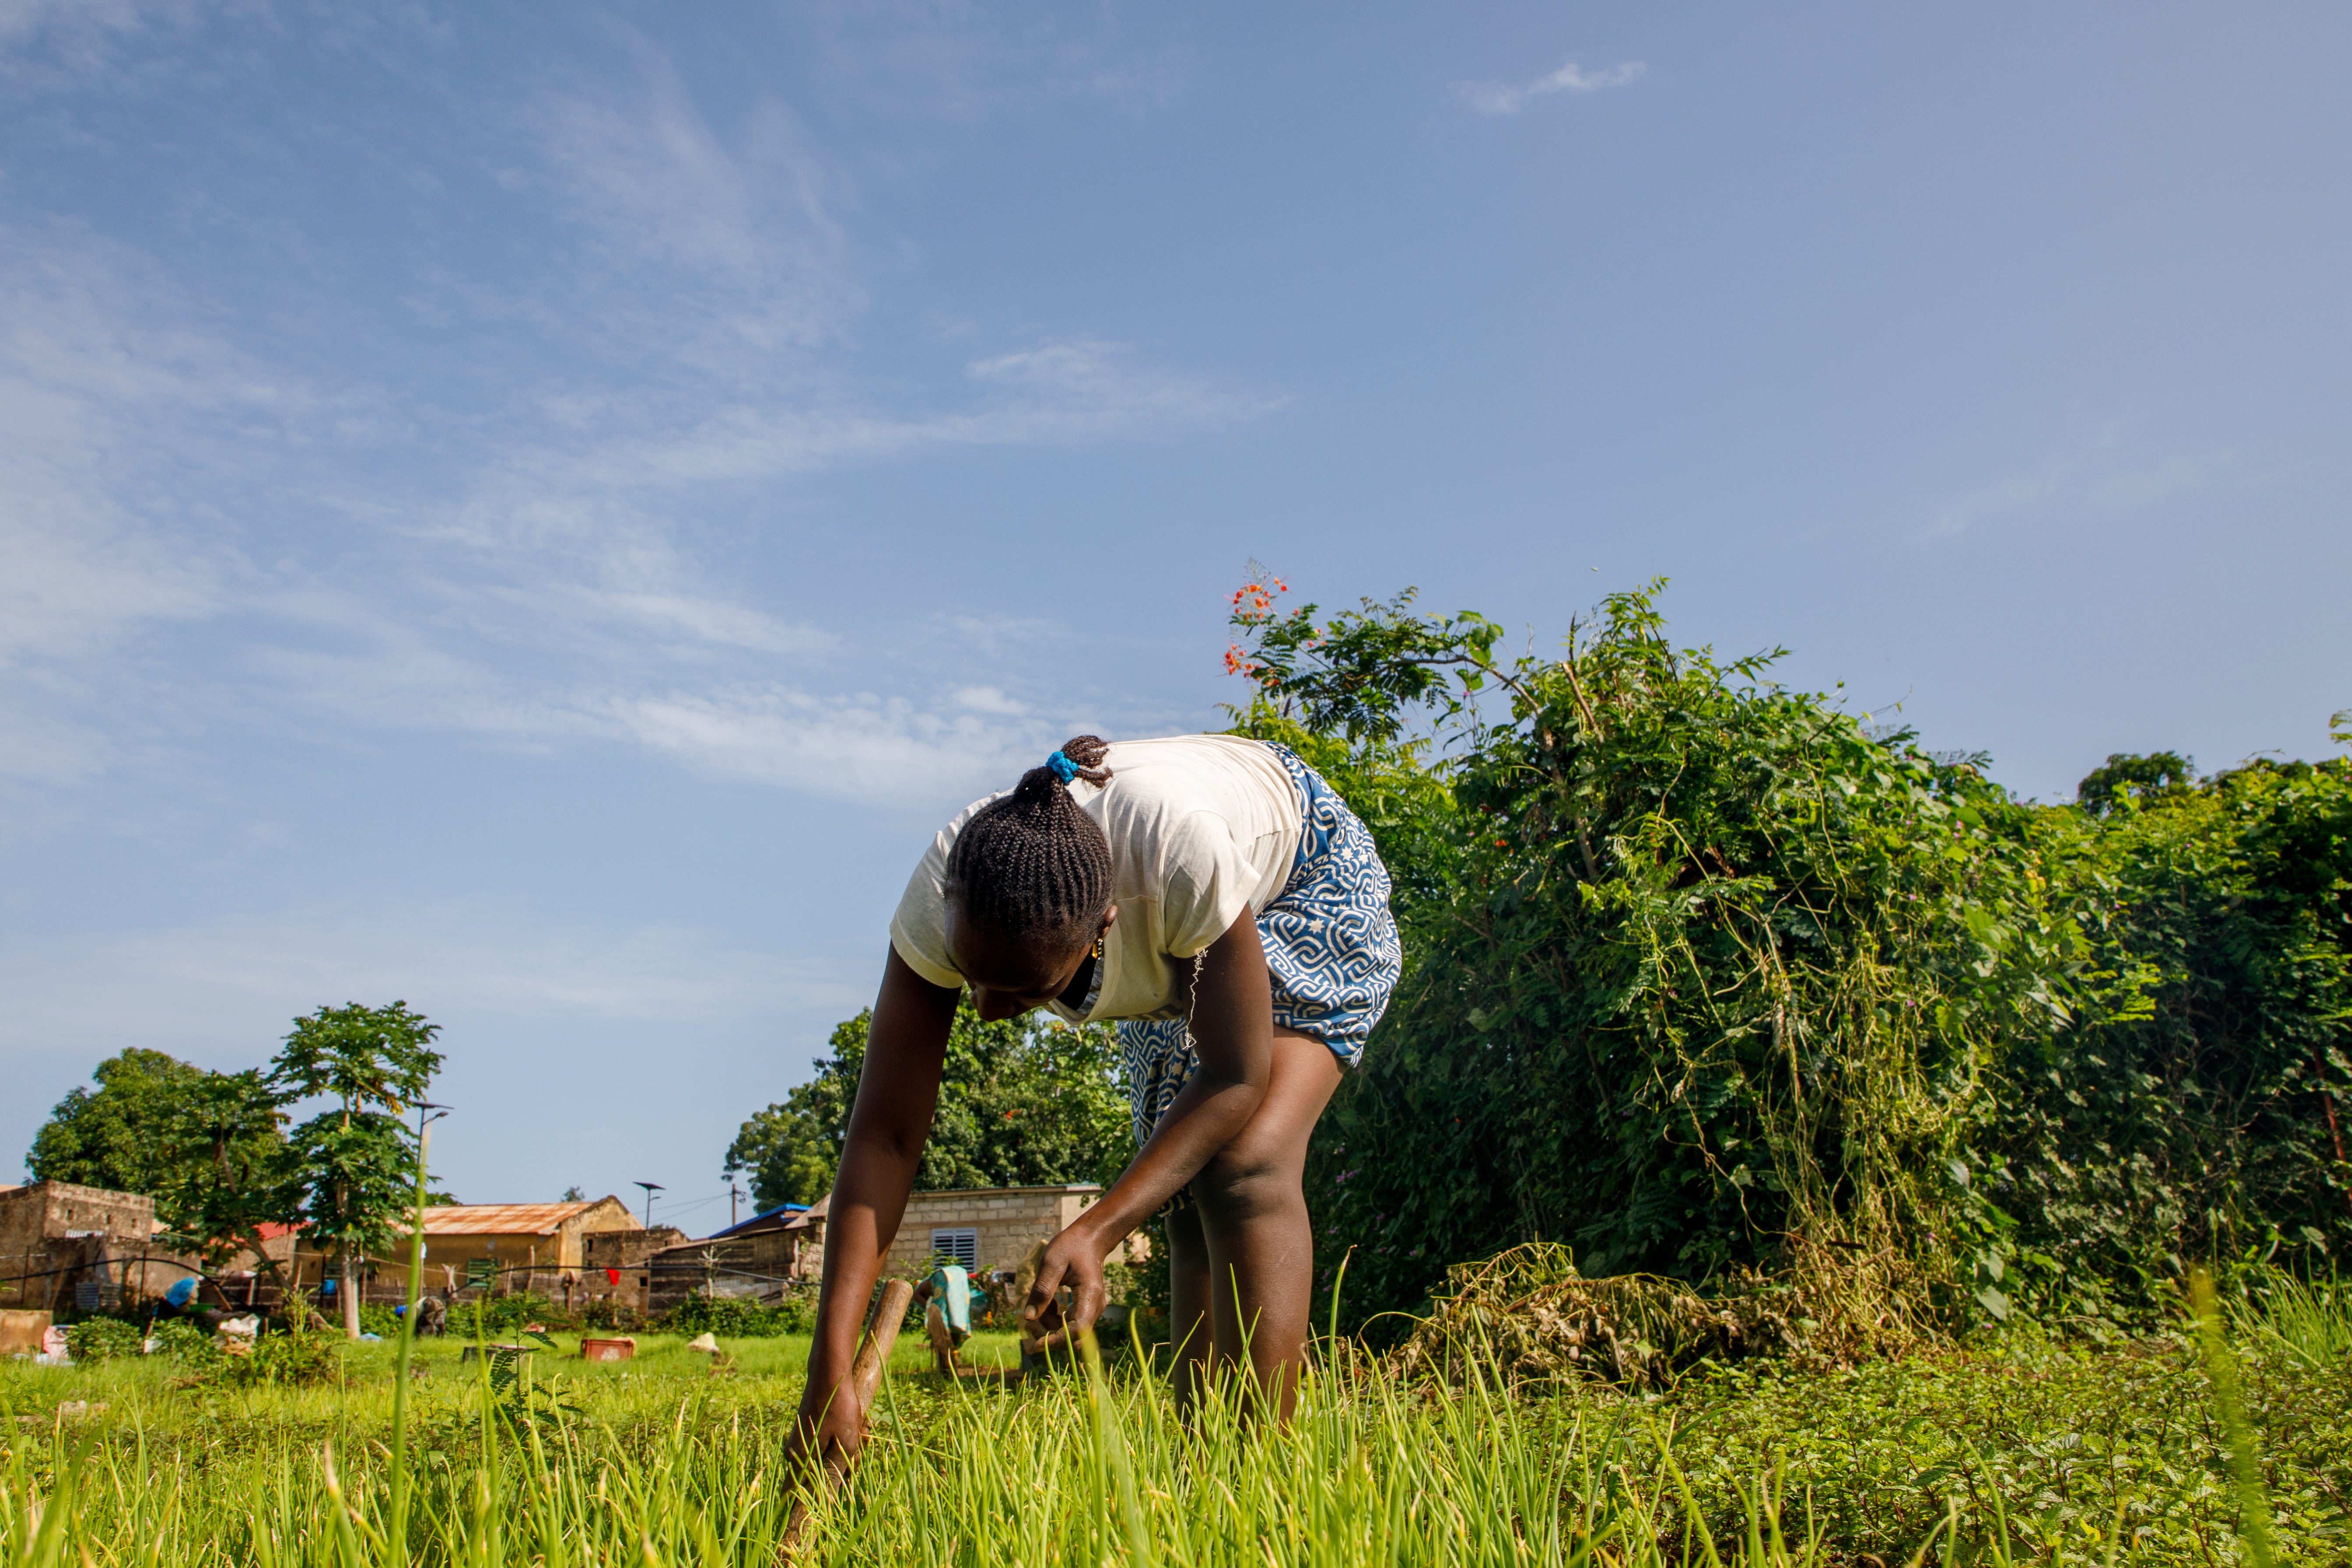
x=1026, y=1101
x=785, y=1152
x=227, y=1172
x=2135, y=783
x=355, y=1163
x=208, y=1147
x=115, y=1137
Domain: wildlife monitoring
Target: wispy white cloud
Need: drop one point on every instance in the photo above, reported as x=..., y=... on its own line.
x=78, y=26
x=551, y=584
x=89, y=381
x=1508, y=98
x=910, y=59
x=375, y=672
x=992, y=633
x=697, y=618
x=102, y=394
x=2102, y=475
x=1055, y=394
x=860, y=748
x=714, y=250
x=987, y=699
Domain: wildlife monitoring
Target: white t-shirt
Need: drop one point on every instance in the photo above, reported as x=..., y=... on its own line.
x=1201, y=829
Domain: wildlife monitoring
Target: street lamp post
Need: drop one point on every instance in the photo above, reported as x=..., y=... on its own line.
x=651, y=1188
x=408, y=1333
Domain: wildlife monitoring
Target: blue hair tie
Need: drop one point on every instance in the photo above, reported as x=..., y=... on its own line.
x=1063, y=769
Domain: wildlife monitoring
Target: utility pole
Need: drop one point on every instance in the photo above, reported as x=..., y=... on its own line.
x=651, y=1188
x=408, y=1323
x=733, y=1192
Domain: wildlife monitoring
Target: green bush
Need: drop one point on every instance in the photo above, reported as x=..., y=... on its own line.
x=179, y=1339
x=2196, y=1116
x=733, y=1317
x=605, y=1313
x=486, y=1315
x=1706, y=977
x=297, y=1358
x=101, y=1338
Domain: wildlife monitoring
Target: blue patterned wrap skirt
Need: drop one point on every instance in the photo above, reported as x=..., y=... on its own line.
x=1330, y=944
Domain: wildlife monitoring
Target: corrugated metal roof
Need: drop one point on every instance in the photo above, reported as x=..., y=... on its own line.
x=765, y=1220
x=501, y=1219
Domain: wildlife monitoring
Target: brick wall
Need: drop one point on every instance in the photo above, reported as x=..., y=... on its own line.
x=1010, y=1220
x=756, y=1267
x=55, y=1236
x=626, y=1250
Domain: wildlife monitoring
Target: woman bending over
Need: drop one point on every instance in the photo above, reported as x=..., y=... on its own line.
x=1213, y=896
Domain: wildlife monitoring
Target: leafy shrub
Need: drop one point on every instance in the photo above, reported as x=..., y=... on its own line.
x=2197, y=1117
x=101, y=1338
x=500, y=1314
x=297, y=1358
x=1694, y=962
x=735, y=1318
x=1703, y=975
x=605, y=1313
x=181, y=1340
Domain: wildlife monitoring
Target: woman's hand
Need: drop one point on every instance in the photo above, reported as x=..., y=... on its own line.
x=828, y=1430
x=1073, y=1261
x=896, y=1090
x=1230, y=1010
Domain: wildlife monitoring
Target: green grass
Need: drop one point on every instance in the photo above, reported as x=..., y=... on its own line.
x=2029, y=1450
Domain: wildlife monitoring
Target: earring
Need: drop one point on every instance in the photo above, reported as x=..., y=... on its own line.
x=1097, y=952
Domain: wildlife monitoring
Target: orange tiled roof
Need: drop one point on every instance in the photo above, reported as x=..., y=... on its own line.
x=501, y=1219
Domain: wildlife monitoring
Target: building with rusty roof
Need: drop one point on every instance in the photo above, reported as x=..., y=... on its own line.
x=505, y=1247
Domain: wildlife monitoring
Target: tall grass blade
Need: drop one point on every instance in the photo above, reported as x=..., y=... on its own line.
x=2237, y=1431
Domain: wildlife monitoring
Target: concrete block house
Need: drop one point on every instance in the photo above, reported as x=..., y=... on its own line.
x=616, y=1262
x=990, y=1229
x=64, y=1246
x=504, y=1248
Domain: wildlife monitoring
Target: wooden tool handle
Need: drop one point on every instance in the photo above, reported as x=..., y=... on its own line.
x=865, y=1371
x=865, y=1380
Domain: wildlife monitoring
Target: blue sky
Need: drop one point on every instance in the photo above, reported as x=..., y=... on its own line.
x=538, y=511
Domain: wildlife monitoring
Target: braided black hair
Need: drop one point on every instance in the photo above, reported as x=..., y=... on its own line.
x=1034, y=863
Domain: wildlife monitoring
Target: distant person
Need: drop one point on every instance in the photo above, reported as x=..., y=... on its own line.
x=1215, y=898
x=946, y=1297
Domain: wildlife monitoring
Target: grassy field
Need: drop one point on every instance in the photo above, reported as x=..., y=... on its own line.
x=2023, y=1450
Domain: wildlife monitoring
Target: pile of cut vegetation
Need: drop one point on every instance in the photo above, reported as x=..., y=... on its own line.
x=1526, y=1318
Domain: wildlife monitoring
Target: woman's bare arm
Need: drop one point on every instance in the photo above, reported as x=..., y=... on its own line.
x=898, y=1090
x=1232, y=1028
